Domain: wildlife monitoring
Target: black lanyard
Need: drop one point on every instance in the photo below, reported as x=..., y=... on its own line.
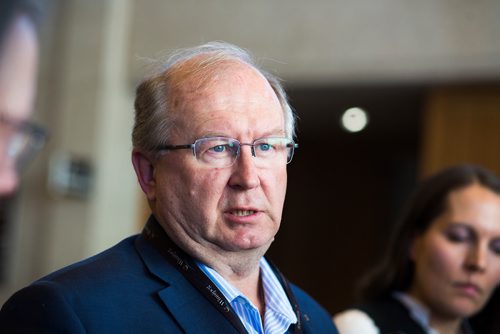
x=155, y=234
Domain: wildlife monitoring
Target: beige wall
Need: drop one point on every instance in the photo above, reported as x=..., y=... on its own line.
x=334, y=40
x=86, y=101
x=91, y=62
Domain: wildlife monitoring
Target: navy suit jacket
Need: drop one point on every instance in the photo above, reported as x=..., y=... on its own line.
x=129, y=288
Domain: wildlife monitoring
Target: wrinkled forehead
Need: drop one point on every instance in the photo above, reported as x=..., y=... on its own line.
x=229, y=92
x=203, y=91
x=204, y=73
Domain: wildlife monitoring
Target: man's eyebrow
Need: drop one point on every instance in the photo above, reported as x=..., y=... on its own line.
x=273, y=132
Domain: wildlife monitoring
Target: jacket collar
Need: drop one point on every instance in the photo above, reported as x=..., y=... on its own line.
x=180, y=298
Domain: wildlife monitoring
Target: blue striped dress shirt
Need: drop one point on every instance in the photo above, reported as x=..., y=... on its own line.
x=279, y=314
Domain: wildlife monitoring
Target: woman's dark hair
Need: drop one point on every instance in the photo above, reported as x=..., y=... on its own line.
x=395, y=272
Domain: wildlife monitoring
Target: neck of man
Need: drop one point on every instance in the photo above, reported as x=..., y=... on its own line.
x=246, y=280
x=240, y=268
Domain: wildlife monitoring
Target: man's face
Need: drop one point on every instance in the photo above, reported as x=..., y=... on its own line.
x=233, y=208
x=18, y=63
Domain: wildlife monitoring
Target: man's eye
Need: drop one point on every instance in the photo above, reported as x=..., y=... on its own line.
x=219, y=148
x=264, y=147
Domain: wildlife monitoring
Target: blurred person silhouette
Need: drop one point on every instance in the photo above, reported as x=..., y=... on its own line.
x=443, y=263
x=212, y=138
x=19, y=138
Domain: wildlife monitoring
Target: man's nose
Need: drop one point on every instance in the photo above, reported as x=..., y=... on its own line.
x=245, y=173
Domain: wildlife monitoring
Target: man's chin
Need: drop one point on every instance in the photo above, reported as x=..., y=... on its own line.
x=256, y=245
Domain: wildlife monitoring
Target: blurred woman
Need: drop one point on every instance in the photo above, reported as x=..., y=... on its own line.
x=443, y=263
x=19, y=138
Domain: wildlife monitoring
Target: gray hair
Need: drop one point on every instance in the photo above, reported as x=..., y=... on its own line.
x=153, y=119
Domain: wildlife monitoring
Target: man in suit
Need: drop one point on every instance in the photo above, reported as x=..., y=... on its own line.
x=212, y=137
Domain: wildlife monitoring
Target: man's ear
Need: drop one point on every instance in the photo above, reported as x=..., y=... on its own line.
x=144, y=169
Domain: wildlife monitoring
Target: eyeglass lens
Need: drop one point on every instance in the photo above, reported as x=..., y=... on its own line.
x=223, y=152
x=21, y=141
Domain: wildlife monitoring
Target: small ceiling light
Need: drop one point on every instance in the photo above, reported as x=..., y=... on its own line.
x=354, y=119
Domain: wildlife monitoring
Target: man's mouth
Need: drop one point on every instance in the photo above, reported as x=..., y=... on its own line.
x=243, y=213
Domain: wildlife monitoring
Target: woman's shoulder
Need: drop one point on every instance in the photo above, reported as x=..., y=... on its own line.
x=385, y=314
x=352, y=321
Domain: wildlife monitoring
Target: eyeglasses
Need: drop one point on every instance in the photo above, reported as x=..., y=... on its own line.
x=22, y=140
x=220, y=152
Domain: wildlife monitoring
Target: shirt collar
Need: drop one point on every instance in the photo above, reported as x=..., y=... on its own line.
x=418, y=312
x=275, y=296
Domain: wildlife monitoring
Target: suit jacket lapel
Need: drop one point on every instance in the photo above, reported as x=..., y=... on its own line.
x=193, y=312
